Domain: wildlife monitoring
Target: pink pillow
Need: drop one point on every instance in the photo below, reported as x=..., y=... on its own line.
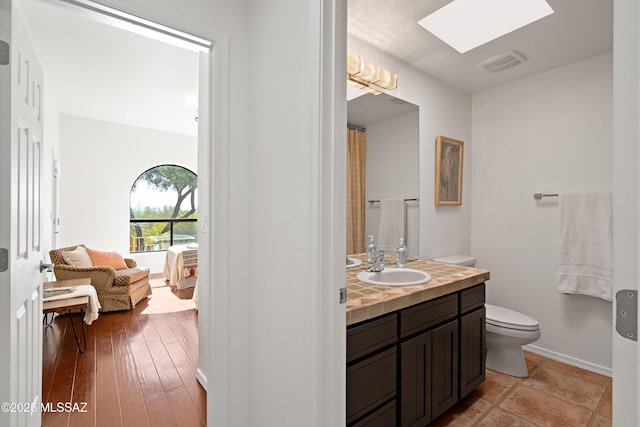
x=111, y=259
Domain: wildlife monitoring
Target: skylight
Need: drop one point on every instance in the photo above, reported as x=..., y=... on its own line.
x=467, y=24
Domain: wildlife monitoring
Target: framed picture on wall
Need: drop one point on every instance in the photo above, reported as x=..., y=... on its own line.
x=449, y=156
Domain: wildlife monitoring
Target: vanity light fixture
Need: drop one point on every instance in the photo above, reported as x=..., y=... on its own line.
x=363, y=74
x=467, y=24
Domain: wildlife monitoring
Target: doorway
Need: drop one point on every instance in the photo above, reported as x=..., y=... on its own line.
x=204, y=114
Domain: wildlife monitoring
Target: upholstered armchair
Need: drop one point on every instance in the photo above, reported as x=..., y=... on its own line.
x=117, y=290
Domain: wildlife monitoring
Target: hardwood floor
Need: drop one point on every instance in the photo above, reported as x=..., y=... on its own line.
x=139, y=369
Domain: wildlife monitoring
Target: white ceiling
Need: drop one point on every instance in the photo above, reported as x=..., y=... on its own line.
x=368, y=109
x=579, y=29
x=97, y=71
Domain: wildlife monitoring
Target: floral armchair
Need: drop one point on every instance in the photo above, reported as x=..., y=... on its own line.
x=117, y=290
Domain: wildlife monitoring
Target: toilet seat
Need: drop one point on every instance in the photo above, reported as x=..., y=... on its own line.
x=504, y=318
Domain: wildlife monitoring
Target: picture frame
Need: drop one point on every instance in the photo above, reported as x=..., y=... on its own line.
x=449, y=168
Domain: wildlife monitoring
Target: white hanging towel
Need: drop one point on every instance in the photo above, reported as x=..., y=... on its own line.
x=585, y=244
x=392, y=224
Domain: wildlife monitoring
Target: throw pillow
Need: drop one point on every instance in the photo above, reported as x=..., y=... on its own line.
x=77, y=257
x=111, y=259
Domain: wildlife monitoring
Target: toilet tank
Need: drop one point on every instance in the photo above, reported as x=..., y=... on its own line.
x=466, y=260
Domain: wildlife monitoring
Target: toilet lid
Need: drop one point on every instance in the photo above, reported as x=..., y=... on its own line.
x=505, y=318
x=465, y=260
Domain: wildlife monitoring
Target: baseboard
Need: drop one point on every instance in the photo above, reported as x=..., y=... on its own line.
x=202, y=379
x=569, y=360
x=156, y=276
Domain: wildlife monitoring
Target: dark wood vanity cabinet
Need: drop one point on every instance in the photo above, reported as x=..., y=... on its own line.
x=371, y=367
x=383, y=417
x=438, y=349
x=473, y=345
x=472, y=351
x=415, y=380
x=444, y=368
x=428, y=375
x=429, y=360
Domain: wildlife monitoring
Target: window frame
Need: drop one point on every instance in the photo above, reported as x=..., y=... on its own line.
x=134, y=245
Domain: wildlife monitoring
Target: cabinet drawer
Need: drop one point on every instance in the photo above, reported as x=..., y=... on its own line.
x=428, y=314
x=370, y=383
x=371, y=336
x=472, y=298
x=383, y=417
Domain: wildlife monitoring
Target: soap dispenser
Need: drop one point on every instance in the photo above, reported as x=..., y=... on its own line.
x=371, y=250
x=401, y=254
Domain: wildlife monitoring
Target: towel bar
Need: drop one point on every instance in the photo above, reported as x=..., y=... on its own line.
x=538, y=196
x=406, y=200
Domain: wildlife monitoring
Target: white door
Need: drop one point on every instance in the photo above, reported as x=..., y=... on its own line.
x=20, y=224
x=626, y=220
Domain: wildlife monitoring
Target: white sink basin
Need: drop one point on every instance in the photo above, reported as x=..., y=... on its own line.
x=353, y=262
x=395, y=277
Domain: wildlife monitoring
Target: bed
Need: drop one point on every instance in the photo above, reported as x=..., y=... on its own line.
x=181, y=266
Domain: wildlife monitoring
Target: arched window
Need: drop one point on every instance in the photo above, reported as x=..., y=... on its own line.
x=163, y=209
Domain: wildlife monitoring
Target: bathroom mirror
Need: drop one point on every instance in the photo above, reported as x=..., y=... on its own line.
x=388, y=128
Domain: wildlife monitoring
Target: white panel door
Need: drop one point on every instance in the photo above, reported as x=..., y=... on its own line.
x=20, y=225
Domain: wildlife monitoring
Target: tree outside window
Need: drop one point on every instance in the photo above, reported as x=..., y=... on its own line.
x=163, y=208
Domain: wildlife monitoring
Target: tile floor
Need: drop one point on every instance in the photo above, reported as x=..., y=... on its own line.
x=554, y=395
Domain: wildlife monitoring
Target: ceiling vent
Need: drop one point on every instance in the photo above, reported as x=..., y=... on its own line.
x=503, y=61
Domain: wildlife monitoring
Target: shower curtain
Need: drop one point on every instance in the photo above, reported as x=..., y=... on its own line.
x=356, y=189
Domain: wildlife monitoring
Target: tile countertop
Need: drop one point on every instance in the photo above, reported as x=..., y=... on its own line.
x=366, y=301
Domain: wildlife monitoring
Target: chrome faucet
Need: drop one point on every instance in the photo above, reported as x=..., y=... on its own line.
x=378, y=263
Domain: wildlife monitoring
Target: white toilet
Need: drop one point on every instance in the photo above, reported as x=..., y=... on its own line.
x=507, y=331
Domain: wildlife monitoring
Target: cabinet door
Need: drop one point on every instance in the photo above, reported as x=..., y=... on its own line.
x=472, y=351
x=444, y=368
x=415, y=381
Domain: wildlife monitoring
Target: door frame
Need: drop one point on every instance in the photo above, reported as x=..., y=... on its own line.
x=626, y=208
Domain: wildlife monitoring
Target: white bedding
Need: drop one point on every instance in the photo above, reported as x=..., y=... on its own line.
x=181, y=266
